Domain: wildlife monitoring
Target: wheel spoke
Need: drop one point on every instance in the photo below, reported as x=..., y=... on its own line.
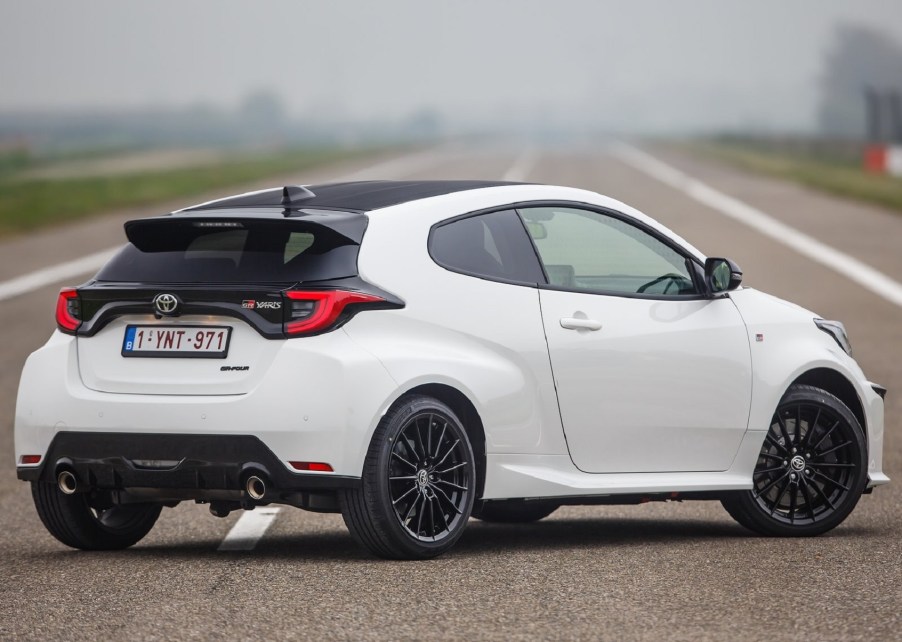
x=780, y=497
x=827, y=452
x=420, y=514
x=811, y=428
x=770, y=485
x=824, y=495
x=768, y=470
x=823, y=464
x=441, y=512
x=808, y=500
x=429, y=436
x=432, y=519
x=772, y=456
x=783, y=431
x=792, y=502
x=401, y=459
x=832, y=481
x=447, y=483
x=825, y=435
x=440, y=493
x=798, y=435
x=438, y=444
x=412, y=489
x=416, y=429
x=448, y=470
x=402, y=478
x=776, y=443
x=450, y=450
x=410, y=508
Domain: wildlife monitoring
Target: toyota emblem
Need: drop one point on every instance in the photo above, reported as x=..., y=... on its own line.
x=166, y=304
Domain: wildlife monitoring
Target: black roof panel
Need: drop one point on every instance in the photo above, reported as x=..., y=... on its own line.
x=360, y=196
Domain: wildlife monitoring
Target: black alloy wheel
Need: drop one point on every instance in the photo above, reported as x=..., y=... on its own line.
x=418, y=483
x=811, y=470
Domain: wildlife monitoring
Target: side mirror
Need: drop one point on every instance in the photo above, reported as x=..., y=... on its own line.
x=722, y=275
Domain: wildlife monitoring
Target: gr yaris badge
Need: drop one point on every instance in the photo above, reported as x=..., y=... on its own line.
x=166, y=304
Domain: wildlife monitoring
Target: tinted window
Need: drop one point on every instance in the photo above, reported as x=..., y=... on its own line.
x=590, y=251
x=493, y=245
x=264, y=251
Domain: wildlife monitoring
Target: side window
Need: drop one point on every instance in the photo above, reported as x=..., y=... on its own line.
x=493, y=245
x=589, y=251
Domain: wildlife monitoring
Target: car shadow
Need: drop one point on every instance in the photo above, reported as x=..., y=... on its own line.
x=481, y=539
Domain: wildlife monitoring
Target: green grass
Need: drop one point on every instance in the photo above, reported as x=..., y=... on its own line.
x=30, y=204
x=833, y=175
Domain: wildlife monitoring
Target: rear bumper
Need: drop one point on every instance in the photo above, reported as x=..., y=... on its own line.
x=319, y=401
x=202, y=463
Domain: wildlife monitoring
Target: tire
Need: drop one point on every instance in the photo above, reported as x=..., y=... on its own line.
x=419, y=457
x=71, y=520
x=514, y=511
x=811, y=471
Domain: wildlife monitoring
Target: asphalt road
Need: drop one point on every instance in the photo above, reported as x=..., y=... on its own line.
x=655, y=571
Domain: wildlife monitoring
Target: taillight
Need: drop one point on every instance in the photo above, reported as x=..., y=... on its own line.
x=313, y=466
x=313, y=311
x=68, y=310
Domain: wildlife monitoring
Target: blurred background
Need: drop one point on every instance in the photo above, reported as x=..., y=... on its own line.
x=108, y=104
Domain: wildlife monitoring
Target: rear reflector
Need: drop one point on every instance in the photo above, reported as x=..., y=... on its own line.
x=68, y=310
x=313, y=466
x=316, y=310
x=30, y=460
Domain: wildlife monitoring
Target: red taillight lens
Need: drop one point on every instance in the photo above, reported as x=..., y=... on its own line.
x=68, y=309
x=30, y=460
x=311, y=311
x=314, y=466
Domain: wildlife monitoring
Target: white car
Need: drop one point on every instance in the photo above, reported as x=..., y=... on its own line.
x=412, y=354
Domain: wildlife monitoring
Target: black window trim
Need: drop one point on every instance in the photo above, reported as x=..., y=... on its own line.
x=697, y=273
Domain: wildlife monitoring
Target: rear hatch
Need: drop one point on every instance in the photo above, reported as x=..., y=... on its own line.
x=198, y=304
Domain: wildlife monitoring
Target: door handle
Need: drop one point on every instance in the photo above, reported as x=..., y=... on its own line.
x=570, y=323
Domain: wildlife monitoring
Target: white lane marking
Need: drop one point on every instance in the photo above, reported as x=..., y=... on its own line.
x=55, y=274
x=522, y=166
x=407, y=164
x=249, y=528
x=819, y=252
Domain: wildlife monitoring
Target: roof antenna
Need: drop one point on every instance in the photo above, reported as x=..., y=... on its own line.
x=291, y=194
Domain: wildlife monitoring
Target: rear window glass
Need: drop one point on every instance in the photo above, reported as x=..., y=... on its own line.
x=232, y=252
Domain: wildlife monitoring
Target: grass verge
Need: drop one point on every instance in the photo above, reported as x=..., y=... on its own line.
x=827, y=174
x=29, y=204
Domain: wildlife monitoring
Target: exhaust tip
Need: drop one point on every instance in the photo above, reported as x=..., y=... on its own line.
x=67, y=482
x=255, y=487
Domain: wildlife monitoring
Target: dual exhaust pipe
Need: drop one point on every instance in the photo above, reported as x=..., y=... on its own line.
x=255, y=486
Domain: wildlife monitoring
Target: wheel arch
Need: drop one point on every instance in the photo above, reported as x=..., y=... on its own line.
x=838, y=385
x=466, y=411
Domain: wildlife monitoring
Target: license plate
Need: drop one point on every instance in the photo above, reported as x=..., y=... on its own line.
x=203, y=341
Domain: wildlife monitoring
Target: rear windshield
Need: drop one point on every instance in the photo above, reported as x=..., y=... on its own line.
x=267, y=251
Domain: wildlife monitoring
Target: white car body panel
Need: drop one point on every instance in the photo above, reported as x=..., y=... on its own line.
x=321, y=398
x=630, y=392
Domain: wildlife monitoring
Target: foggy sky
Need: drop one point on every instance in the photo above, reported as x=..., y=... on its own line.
x=642, y=64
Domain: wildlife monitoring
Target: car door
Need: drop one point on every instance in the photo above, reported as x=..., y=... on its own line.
x=651, y=375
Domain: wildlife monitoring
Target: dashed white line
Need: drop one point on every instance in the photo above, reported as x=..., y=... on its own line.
x=249, y=528
x=523, y=165
x=819, y=252
x=60, y=272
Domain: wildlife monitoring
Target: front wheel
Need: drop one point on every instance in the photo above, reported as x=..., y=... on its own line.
x=72, y=520
x=811, y=470
x=418, y=483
